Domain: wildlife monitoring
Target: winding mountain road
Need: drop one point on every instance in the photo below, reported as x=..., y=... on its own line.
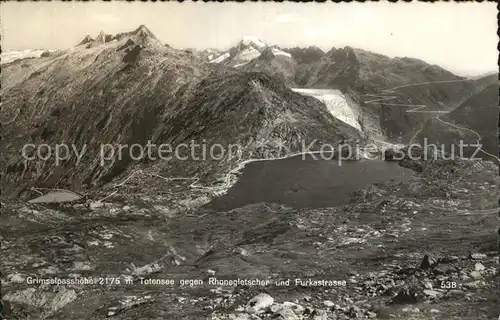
x=389, y=94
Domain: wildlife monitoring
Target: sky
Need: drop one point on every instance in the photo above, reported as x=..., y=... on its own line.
x=460, y=37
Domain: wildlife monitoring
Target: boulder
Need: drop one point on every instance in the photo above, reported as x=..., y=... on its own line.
x=259, y=303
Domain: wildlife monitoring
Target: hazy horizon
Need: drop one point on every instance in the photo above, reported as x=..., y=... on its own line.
x=460, y=37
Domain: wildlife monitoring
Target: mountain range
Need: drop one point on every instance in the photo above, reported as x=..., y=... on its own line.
x=361, y=74
x=130, y=88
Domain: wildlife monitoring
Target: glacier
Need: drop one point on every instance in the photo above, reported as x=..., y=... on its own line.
x=336, y=103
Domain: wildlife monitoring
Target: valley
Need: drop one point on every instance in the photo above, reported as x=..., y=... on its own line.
x=397, y=239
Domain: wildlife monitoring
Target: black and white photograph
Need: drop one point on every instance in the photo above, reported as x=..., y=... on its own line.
x=249, y=160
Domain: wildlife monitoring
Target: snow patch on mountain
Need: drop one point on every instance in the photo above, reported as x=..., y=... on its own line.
x=336, y=103
x=220, y=58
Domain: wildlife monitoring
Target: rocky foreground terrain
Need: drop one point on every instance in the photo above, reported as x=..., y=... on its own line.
x=425, y=249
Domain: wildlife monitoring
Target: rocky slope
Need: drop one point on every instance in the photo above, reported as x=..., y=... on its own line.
x=9, y=56
x=305, y=55
x=254, y=55
x=475, y=119
x=384, y=88
x=275, y=64
x=423, y=249
x=247, y=50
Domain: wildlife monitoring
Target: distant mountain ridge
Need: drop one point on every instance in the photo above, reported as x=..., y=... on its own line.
x=128, y=88
x=359, y=74
x=132, y=89
x=476, y=117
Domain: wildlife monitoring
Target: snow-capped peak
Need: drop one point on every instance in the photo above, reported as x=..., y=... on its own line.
x=248, y=40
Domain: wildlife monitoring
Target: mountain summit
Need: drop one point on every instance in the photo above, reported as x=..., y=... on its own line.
x=141, y=36
x=143, y=31
x=102, y=38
